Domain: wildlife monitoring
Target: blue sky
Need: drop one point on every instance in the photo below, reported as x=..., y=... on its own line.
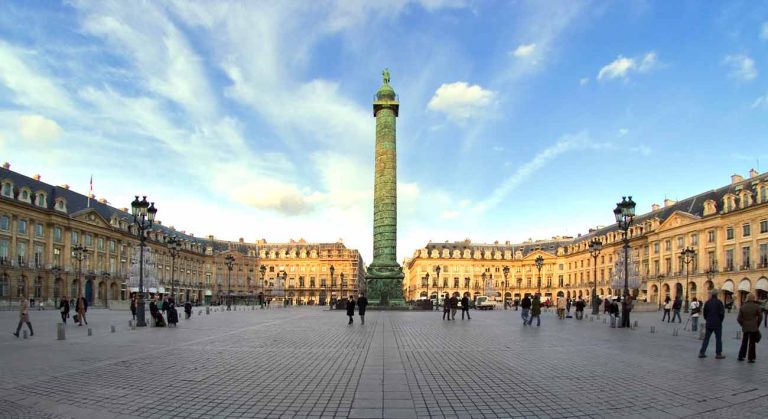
x=253, y=119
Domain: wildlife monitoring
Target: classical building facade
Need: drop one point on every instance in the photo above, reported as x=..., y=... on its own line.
x=42, y=225
x=727, y=229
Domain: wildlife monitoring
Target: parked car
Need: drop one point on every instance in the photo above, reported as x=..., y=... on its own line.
x=482, y=302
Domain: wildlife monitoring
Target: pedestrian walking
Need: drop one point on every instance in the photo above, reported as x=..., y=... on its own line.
x=614, y=313
x=580, y=308
x=561, y=307
x=447, y=306
x=568, y=304
x=188, y=309
x=81, y=307
x=173, y=315
x=525, y=305
x=676, y=306
x=465, y=306
x=714, y=314
x=362, y=303
x=749, y=318
x=133, y=307
x=24, y=317
x=157, y=316
x=607, y=305
x=535, y=311
x=64, y=309
x=695, y=313
x=454, y=305
x=351, y=309
x=626, y=307
x=667, y=310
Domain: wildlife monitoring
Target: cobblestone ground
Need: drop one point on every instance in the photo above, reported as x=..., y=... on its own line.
x=306, y=362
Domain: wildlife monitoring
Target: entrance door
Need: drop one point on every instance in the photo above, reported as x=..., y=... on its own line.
x=89, y=291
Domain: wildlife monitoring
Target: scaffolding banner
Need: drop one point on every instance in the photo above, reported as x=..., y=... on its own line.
x=150, y=271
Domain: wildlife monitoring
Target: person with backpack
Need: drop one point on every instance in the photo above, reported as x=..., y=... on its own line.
x=695, y=313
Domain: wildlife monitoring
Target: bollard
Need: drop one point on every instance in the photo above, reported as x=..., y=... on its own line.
x=591, y=318
x=25, y=334
x=207, y=309
x=675, y=332
x=701, y=333
x=738, y=335
x=653, y=329
x=90, y=332
x=605, y=321
x=636, y=323
x=112, y=328
x=60, y=331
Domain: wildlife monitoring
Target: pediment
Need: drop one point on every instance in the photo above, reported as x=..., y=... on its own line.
x=92, y=217
x=532, y=255
x=678, y=218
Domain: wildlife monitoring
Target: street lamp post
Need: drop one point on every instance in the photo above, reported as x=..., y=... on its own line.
x=230, y=261
x=485, y=284
x=285, y=289
x=174, y=247
x=341, y=283
x=624, y=214
x=80, y=253
x=437, y=271
x=686, y=256
x=539, y=261
x=429, y=298
x=143, y=216
x=506, y=275
x=262, y=271
x=333, y=283
x=595, y=246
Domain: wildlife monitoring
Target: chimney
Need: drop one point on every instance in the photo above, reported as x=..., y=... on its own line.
x=736, y=179
x=210, y=237
x=159, y=222
x=655, y=207
x=101, y=200
x=241, y=240
x=66, y=186
x=753, y=173
x=669, y=202
x=121, y=209
x=36, y=176
x=7, y=166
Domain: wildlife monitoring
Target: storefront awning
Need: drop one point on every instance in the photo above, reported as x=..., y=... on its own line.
x=762, y=284
x=728, y=286
x=744, y=285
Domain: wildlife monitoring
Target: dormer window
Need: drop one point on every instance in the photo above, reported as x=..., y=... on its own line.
x=710, y=207
x=729, y=203
x=25, y=195
x=746, y=198
x=61, y=205
x=40, y=202
x=7, y=189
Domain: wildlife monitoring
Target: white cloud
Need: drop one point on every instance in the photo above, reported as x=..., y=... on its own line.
x=449, y=214
x=583, y=81
x=764, y=32
x=742, y=67
x=622, y=66
x=30, y=86
x=623, y=132
x=760, y=102
x=38, y=128
x=524, y=51
x=460, y=101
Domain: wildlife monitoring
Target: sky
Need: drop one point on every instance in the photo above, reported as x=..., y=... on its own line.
x=518, y=119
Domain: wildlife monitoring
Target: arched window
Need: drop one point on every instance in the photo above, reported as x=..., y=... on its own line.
x=40, y=201
x=39, y=287
x=22, y=287
x=4, y=289
x=7, y=189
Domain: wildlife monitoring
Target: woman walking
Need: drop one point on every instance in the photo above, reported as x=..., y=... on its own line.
x=351, y=309
x=133, y=307
x=695, y=313
x=667, y=309
x=173, y=315
x=362, y=303
x=749, y=318
x=64, y=309
x=24, y=317
x=81, y=306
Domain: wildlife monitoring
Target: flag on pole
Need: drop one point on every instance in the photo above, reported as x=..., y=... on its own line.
x=90, y=191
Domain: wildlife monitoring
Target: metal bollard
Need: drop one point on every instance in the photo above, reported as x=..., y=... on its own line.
x=112, y=328
x=675, y=332
x=60, y=331
x=90, y=332
x=591, y=318
x=701, y=333
x=207, y=309
x=24, y=334
x=636, y=324
x=653, y=329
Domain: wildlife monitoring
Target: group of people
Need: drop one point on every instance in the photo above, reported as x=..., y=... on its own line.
x=361, y=304
x=451, y=306
x=619, y=309
x=749, y=319
x=81, y=307
x=531, y=308
x=564, y=307
x=167, y=306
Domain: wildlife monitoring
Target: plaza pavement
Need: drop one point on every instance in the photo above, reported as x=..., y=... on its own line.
x=306, y=362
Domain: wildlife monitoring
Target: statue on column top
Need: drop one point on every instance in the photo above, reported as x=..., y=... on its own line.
x=385, y=73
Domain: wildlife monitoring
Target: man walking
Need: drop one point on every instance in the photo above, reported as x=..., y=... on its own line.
x=447, y=306
x=465, y=306
x=362, y=303
x=81, y=307
x=749, y=319
x=525, y=305
x=714, y=313
x=695, y=313
x=64, y=309
x=454, y=305
x=626, y=307
x=350, y=309
x=24, y=317
x=676, y=306
x=535, y=311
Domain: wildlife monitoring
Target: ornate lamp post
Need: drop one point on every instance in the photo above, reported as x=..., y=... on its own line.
x=333, y=283
x=79, y=252
x=506, y=281
x=426, y=277
x=143, y=216
x=686, y=256
x=285, y=289
x=341, y=283
x=539, y=261
x=485, y=284
x=437, y=272
x=595, y=246
x=262, y=271
x=174, y=247
x=230, y=260
x=624, y=214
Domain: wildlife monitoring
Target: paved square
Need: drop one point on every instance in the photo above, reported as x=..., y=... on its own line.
x=306, y=362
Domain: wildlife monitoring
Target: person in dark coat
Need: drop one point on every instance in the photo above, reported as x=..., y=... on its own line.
x=580, y=309
x=714, y=314
x=170, y=309
x=362, y=303
x=447, y=306
x=535, y=311
x=749, y=318
x=465, y=306
x=454, y=306
x=614, y=313
x=626, y=308
x=188, y=309
x=157, y=316
x=133, y=307
x=81, y=307
x=351, y=309
x=526, y=306
x=64, y=308
x=607, y=305
x=676, y=306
